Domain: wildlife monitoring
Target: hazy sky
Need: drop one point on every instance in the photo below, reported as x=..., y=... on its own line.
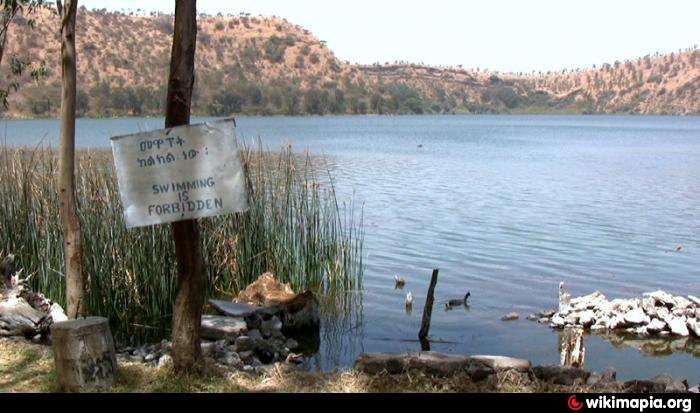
x=505, y=35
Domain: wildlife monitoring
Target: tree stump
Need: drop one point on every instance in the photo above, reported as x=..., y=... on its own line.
x=84, y=353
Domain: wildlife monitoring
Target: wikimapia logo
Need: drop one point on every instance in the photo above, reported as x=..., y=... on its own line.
x=641, y=404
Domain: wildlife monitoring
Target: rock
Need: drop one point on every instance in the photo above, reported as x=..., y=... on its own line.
x=266, y=291
x=663, y=298
x=644, y=386
x=510, y=317
x=649, y=306
x=164, y=361
x=678, y=326
x=560, y=375
x=265, y=352
x=557, y=322
x=693, y=326
x=586, y=318
x=300, y=313
x=682, y=302
x=253, y=321
x=694, y=389
x=594, y=379
x=232, y=309
x=548, y=313
x=207, y=347
x=232, y=359
x=291, y=344
x=636, y=317
x=609, y=376
x=246, y=356
x=662, y=313
x=588, y=302
x=57, y=314
x=248, y=368
x=149, y=358
x=269, y=327
x=222, y=328
x=533, y=317
x=432, y=363
x=670, y=385
x=243, y=343
x=255, y=335
x=571, y=319
x=478, y=371
x=695, y=300
x=656, y=326
x=503, y=363
x=544, y=320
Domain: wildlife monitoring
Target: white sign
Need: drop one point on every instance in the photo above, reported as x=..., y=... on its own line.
x=180, y=173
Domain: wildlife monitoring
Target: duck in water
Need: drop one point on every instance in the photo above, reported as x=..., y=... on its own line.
x=458, y=301
x=400, y=281
x=409, y=300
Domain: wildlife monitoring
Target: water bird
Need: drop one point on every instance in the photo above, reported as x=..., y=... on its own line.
x=420, y=146
x=459, y=301
x=564, y=297
x=679, y=248
x=409, y=299
x=400, y=281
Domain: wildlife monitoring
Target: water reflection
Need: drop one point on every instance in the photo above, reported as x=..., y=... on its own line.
x=342, y=330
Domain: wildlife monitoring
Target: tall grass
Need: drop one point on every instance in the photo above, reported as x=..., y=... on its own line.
x=294, y=228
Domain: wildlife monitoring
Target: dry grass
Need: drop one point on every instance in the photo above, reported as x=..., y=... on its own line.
x=27, y=367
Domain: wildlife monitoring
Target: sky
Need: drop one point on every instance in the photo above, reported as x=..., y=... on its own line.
x=500, y=35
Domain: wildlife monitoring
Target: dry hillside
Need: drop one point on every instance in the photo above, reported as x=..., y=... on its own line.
x=267, y=65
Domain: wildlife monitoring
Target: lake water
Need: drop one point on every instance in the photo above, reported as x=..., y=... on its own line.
x=506, y=207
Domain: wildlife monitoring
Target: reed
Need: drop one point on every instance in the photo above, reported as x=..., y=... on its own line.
x=295, y=228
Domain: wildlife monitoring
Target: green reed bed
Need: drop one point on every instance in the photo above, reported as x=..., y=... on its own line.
x=294, y=228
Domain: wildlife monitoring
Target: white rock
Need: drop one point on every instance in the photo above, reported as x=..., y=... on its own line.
x=649, y=306
x=624, y=305
x=678, y=326
x=656, y=326
x=571, y=319
x=636, y=317
x=57, y=313
x=694, y=326
x=164, y=361
x=662, y=313
x=557, y=321
x=588, y=302
x=662, y=297
x=695, y=300
x=586, y=318
x=682, y=302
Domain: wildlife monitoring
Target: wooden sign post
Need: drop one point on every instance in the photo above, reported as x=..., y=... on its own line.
x=177, y=175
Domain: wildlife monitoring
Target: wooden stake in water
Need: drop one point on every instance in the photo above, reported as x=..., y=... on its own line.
x=428, y=312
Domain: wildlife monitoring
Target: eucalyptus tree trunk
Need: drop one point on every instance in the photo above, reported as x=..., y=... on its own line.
x=76, y=285
x=187, y=314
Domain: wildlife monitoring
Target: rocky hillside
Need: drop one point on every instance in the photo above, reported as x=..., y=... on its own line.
x=267, y=65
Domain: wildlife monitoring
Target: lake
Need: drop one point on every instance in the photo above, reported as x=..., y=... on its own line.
x=506, y=207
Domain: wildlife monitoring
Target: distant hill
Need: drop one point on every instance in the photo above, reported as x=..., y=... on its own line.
x=268, y=66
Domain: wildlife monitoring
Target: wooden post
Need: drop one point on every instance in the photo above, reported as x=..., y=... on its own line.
x=187, y=314
x=84, y=353
x=428, y=312
x=76, y=282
